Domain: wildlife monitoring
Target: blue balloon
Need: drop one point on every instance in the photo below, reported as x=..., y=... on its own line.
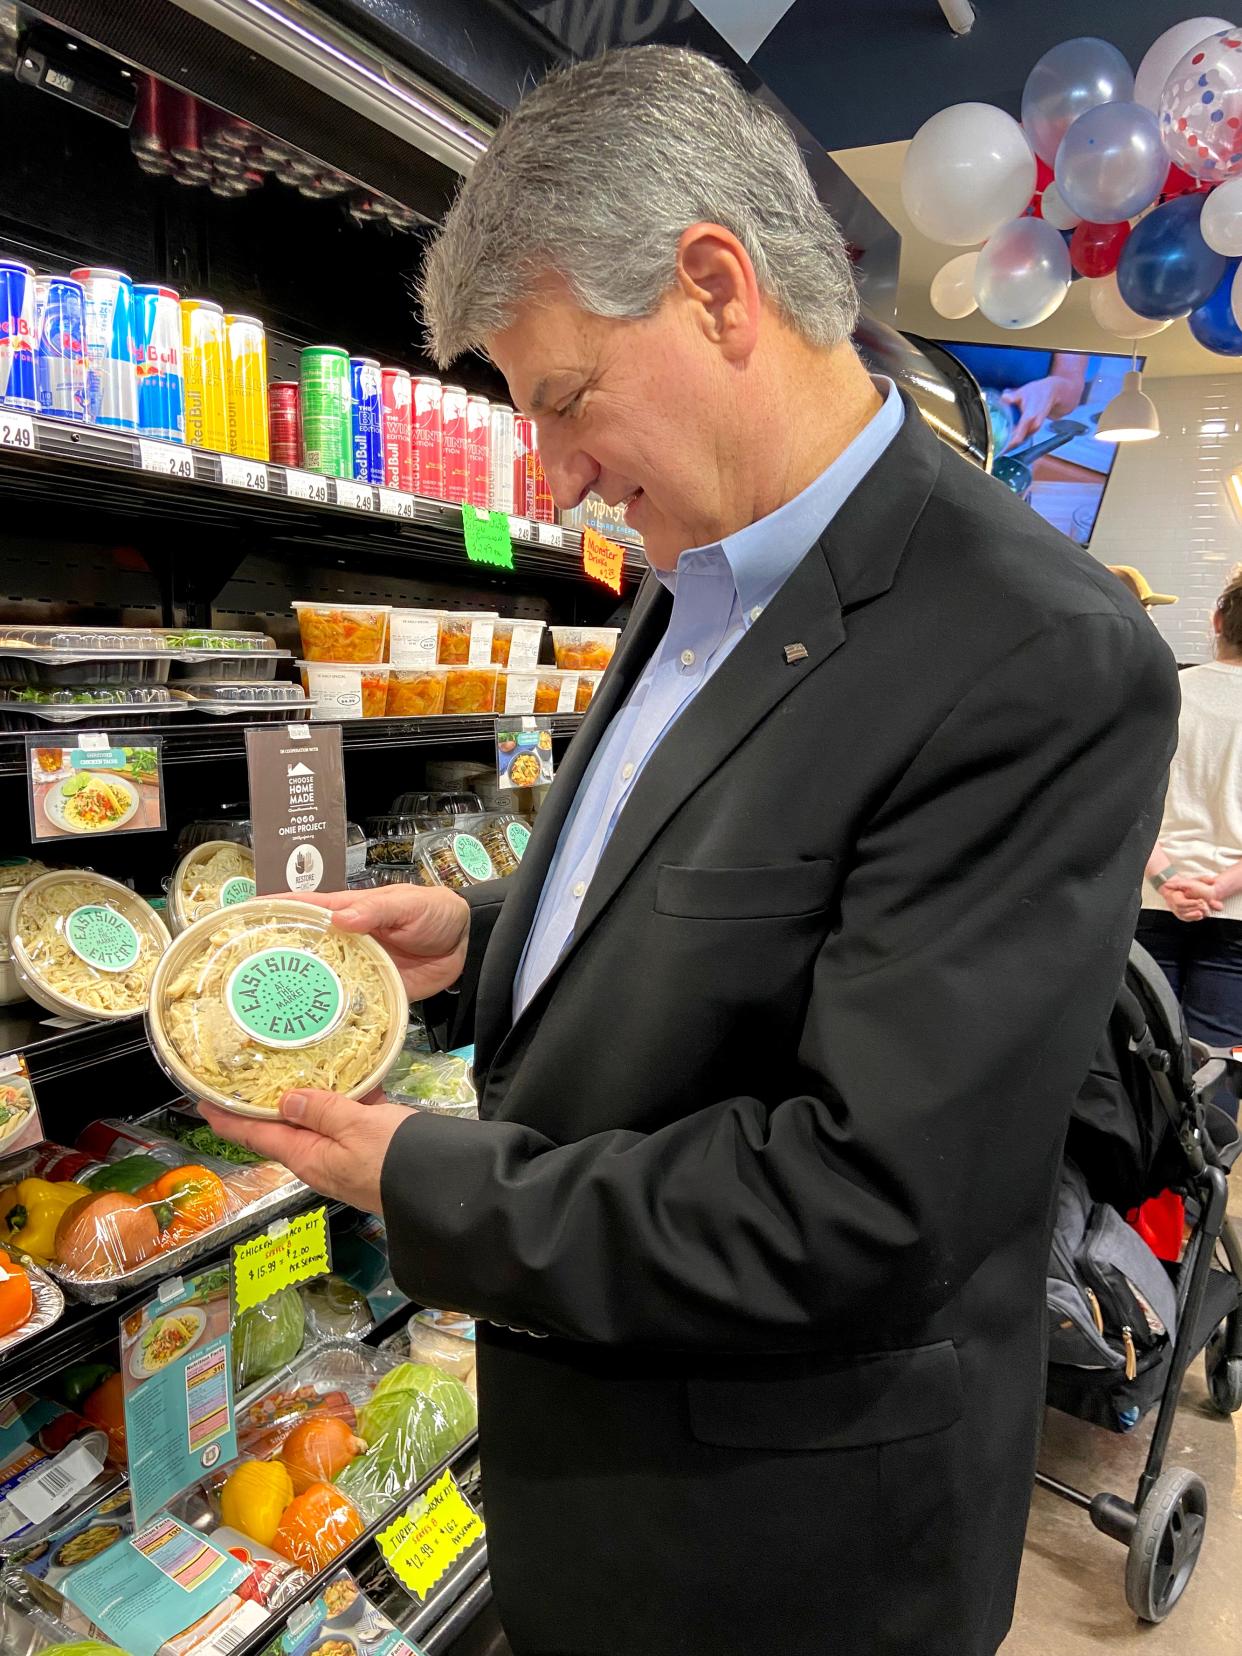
x=1166, y=268
x=1214, y=325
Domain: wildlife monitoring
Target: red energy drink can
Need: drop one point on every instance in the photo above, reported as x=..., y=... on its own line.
x=477, y=469
x=180, y=125
x=427, y=454
x=539, y=490
x=523, y=444
x=284, y=422
x=146, y=134
x=453, y=424
x=397, y=430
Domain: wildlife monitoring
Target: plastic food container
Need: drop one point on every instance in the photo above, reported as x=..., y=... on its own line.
x=505, y=839
x=515, y=692
x=589, y=649
x=555, y=691
x=588, y=683
x=466, y=637
x=437, y=810
x=217, y=639
x=46, y=1312
x=232, y=824
x=446, y=1340
x=252, y=699
x=515, y=644
x=11, y=990
x=117, y=705
x=42, y=1430
x=455, y=859
x=344, y=690
x=470, y=689
x=416, y=692
x=85, y=946
x=215, y=875
x=270, y=995
x=391, y=837
x=343, y=632
x=414, y=637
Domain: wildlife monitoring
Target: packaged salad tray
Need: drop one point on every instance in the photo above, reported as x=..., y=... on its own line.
x=54, y=1466
x=133, y=655
x=114, y=1214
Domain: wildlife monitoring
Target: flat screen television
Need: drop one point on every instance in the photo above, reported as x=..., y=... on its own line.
x=1044, y=406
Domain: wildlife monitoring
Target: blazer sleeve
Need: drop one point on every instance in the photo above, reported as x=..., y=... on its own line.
x=450, y=1016
x=984, y=926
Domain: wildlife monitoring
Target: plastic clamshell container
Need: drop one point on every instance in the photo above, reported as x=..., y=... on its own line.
x=236, y=828
x=585, y=649
x=504, y=838
x=466, y=637
x=343, y=632
x=470, y=689
x=243, y=699
x=54, y=640
x=227, y=668
x=142, y=655
x=346, y=690
x=48, y=1308
x=515, y=644
x=588, y=684
x=88, y=1523
x=455, y=859
x=391, y=837
x=416, y=692
x=217, y=874
x=118, y=705
x=556, y=690
x=229, y=1027
x=438, y=810
x=59, y=925
x=216, y=639
x=414, y=637
x=11, y=990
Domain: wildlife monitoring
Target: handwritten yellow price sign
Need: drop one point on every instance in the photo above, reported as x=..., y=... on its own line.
x=433, y=1531
x=293, y=1251
x=602, y=559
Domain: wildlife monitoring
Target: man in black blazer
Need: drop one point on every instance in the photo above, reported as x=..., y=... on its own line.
x=778, y=1027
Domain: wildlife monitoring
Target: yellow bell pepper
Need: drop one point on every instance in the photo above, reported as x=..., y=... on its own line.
x=30, y=1212
x=254, y=1497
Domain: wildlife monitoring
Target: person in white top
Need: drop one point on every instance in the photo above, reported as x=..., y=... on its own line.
x=1191, y=919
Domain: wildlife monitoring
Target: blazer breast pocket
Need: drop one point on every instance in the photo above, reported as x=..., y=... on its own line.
x=782, y=890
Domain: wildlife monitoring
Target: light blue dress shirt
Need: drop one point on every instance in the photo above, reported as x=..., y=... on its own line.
x=719, y=592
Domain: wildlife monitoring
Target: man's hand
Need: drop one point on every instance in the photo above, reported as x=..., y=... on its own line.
x=1190, y=898
x=423, y=931
x=331, y=1143
x=1040, y=400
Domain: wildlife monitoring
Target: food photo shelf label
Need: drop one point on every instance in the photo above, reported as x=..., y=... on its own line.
x=297, y=807
x=430, y=1535
x=93, y=788
x=281, y=1258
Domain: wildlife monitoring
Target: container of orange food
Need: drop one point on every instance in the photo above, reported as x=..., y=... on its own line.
x=515, y=644
x=470, y=689
x=515, y=692
x=346, y=689
x=585, y=649
x=343, y=632
x=466, y=637
x=587, y=685
x=416, y=692
x=555, y=691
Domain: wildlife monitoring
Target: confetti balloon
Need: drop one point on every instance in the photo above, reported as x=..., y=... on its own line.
x=953, y=287
x=1166, y=52
x=1214, y=324
x=967, y=170
x=1221, y=223
x=1023, y=273
x=1115, y=316
x=1054, y=208
x=1111, y=163
x=1201, y=108
x=1166, y=268
x=1066, y=82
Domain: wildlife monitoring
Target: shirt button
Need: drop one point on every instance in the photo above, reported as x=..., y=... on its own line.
x=687, y=658
x=756, y=612
x=580, y=889
x=627, y=770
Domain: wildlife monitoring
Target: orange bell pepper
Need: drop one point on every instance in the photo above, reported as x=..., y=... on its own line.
x=189, y=1199
x=16, y=1295
x=105, y=1408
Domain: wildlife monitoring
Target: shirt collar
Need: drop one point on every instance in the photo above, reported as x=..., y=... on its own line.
x=764, y=554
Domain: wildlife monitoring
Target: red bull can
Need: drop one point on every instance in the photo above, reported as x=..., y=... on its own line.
x=245, y=376
x=477, y=473
x=453, y=424
x=157, y=341
x=202, y=366
x=284, y=423
x=398, y=436
x=500, y=458
x=17, y=337
x=366, y=401
x=111, y=381
x=327, y=423
x=60, y=348
x=523, y=445
x=428, y=452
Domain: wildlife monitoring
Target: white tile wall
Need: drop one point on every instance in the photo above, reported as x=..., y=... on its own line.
x=1169, y=510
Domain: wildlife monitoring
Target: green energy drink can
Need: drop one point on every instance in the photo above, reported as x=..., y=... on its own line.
x=327, y=437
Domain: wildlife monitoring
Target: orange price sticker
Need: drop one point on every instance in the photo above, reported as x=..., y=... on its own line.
x=602, y=558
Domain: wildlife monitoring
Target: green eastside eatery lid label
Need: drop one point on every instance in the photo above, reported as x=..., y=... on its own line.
x=240, y=889
x=285, y=997
x=472, y=855
x=518, y=836
x=103, y=938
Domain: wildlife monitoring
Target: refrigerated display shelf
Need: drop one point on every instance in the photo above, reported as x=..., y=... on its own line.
x=187, y=743
x=52, y=1051
x=63, y=465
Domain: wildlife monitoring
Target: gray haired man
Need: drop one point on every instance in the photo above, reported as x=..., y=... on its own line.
x=778, y=1027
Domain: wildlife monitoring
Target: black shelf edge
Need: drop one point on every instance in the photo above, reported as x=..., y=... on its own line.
x=187, y=742
x=69, y=464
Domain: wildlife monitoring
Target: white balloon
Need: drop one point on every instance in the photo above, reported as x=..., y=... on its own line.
x=1057, y=210
x=967, y=171
x=1115, y=316
x=1220, y=223
x=1235, y=296
x=1166, y=52
x=953, y=287
x=1022, y=274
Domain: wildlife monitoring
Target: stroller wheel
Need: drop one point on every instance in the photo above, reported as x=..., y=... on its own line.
x=1224, y=1373
x=1164, y=1548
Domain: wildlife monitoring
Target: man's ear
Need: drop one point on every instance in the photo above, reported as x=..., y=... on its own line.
x=715, y=274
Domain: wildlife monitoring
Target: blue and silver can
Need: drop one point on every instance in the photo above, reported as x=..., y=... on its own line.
x=161, y=384
x=17, y=337
x=111, y=383
x=60, y=348
x=366, y=403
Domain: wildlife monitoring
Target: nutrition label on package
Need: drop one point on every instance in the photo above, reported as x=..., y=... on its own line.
x=208, y=1416
x=185, y=1558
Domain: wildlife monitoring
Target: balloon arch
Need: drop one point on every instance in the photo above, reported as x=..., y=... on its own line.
x=1133, y=182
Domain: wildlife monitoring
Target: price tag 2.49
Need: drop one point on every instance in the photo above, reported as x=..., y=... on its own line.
x=306, y=486
x=433, y=1531
x=16, y=430
x=243, y=474
x=165, y=458
x=282, y=1257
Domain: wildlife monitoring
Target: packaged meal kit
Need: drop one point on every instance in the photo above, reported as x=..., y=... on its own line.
x=215, y=875
x=85, y=946
x=269, y=995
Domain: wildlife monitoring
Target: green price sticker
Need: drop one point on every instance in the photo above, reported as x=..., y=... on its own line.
x=281, y=1258
x=433, y=1531
x=488, y=538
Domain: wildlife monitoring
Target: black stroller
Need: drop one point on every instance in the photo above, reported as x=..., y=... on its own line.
x=1144, y=1123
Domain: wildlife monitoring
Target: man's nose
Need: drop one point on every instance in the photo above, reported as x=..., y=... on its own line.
x=570, y=471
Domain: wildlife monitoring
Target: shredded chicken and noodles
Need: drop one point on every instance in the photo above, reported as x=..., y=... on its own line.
x=89, y=943
x=205, y=874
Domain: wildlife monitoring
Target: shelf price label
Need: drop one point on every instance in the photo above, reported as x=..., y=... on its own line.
x=602, y=559
x=521, y=528
x=16, y=430
x=240, y=473
x=306, y=486
x=433, y=1531
x=282, y=1257
x=357, y=495
x=487, y=537
x=165, y=458
x=549, y=534
x=392, y=503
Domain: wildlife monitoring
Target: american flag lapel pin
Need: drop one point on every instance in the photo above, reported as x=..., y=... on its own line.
x=795, y=652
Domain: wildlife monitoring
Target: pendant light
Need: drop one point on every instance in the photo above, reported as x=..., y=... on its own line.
x=1131, y=416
